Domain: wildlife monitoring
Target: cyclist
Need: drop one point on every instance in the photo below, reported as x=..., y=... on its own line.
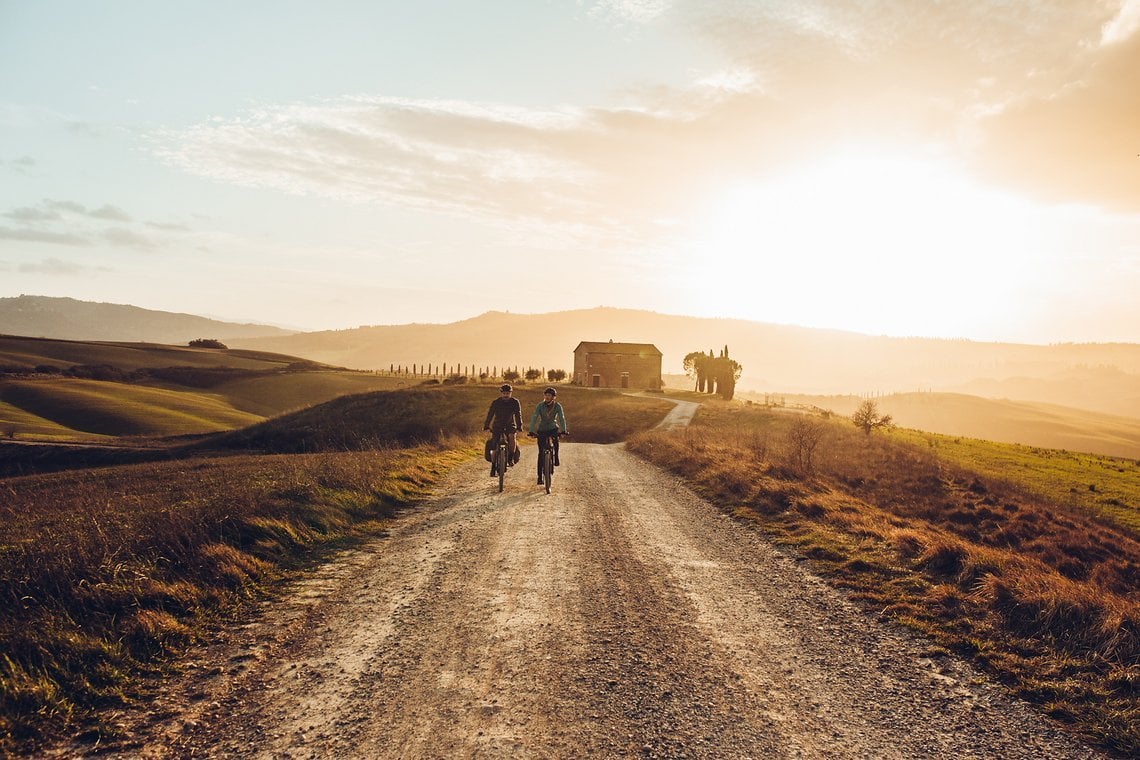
x=548, y=420
x=505, y=416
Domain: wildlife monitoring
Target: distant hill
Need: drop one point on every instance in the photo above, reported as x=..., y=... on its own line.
x=67, y=318
x=782, y=358
x=1101, y=377
x=32, y=352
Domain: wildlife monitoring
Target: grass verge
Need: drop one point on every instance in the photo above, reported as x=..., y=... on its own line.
x=106, y=573
x=1044, y=595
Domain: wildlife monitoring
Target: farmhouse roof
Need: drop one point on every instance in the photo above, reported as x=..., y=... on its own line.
x=609, y=347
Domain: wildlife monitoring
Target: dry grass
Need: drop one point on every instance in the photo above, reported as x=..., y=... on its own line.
x=105, y=572
x=1044, y=594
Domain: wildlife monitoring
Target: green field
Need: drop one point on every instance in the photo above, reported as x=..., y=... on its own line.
x=1102, y=485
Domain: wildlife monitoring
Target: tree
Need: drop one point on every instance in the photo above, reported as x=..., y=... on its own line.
x=555, y=375
x=804, y=435
x=207, y=343
x=533, y=374
x=726, y=372
x=510, y=375
x=867, y=417
x=696, y=366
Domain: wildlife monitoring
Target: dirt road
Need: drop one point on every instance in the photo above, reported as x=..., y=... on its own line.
x=618, y=616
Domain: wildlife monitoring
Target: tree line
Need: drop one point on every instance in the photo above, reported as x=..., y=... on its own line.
x=508, y=374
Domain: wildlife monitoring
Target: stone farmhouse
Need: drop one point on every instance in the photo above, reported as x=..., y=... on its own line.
x=617, y=365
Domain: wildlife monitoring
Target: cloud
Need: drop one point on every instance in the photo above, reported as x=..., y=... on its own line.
x=1123, y=25
x=624, y=12
x=958, y=78
x=63, y=222
x=51, y=266
x=168, y=226
x=1077, y=144
x=128, y=238
x=32, y=214
x=1030, y=95
x=487, y=161
x=72, y=206
x=113, y=213
x=43, y=236
x=21, y=165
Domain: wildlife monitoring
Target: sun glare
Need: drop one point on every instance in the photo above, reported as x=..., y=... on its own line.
x=863, y=242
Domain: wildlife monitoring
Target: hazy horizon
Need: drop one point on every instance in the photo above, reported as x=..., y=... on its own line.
x=600, y=307
x=966, y=172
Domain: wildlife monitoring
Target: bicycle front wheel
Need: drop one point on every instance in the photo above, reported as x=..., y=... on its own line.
x=502, y=466
x=547, y=468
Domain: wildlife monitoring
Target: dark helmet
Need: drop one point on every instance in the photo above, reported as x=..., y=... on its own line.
x=505, y=387
x=551, y=390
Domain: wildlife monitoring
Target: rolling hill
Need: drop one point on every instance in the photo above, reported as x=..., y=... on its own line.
x=43, y=316
x=83, y=391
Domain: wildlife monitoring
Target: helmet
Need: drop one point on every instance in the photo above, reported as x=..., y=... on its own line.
x=505, y=387
x=551, y=390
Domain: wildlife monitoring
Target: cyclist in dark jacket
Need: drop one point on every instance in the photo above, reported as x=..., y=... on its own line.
x=505, y=416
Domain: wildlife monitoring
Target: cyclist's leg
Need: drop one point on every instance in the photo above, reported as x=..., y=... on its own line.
x=514, y=447
x=542, y=443
x=555, y=451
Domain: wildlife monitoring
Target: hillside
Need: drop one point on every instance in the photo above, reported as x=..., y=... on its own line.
x=29, y=353
x=1029, y=423
x=68, y=318
x=85, y=390
x=777, y=358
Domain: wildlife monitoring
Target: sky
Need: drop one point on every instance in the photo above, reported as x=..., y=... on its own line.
x=960, y=169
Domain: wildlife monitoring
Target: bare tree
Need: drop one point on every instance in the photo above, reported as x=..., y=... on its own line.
x=804, y=436
x=867, y=417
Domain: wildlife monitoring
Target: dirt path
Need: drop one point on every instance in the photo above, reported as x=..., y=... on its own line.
x=620, y=615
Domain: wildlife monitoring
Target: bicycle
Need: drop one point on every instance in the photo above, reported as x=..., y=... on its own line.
x=547, y=442
x=500, y=458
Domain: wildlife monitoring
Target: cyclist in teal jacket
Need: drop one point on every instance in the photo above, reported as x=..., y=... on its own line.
x=548, y=420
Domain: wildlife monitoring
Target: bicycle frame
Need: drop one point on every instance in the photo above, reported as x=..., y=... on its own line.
x=502, y=441
x=546, y=456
